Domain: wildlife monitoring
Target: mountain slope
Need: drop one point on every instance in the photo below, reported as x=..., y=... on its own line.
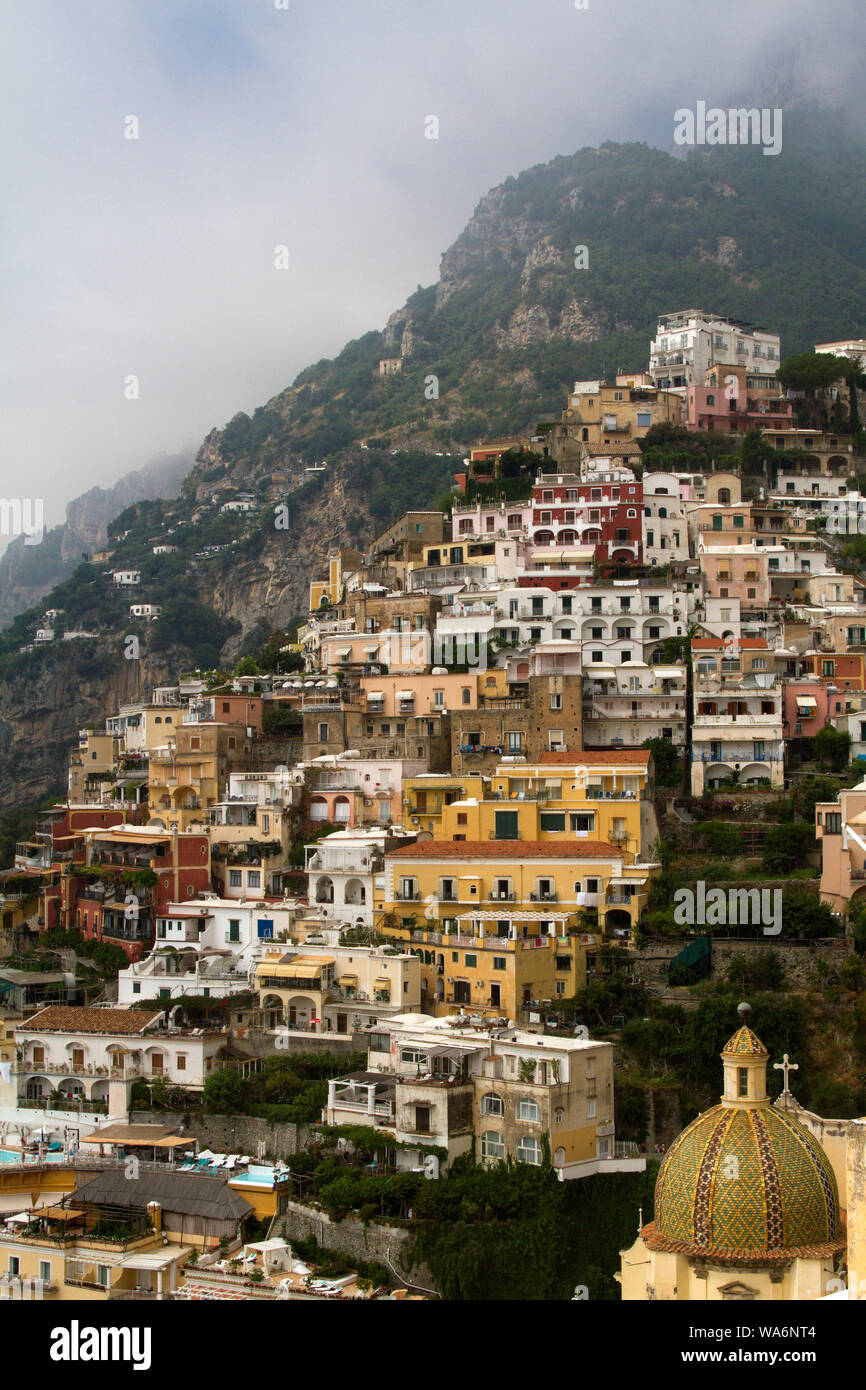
x=29, y=571
x=505, y=331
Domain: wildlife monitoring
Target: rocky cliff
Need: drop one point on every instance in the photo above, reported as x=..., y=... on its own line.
x=518, y=313
x=27, y=572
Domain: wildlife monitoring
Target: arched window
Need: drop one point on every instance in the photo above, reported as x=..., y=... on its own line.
x=559, y=1158
x=529, y=1110
x=324, y=890
x=529, y=1151
x=492, y=1105
x=559, y=1114
x=466, y=696
x=663, y=511
x=492, y=1144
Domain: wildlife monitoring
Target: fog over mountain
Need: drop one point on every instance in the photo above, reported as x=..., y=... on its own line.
x=141, y=304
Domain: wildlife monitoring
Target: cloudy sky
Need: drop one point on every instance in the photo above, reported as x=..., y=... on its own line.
x=303, y=127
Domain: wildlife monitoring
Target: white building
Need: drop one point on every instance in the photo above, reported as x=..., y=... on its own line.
x=207, y=946
x=124, y=577
x=690, y=341
x=846, y=515
x=343, y=870
x=665, y=532
x=148, y=611
x=624, y=705
x=93, y=1057
x=451, y=1084
x=737, y=730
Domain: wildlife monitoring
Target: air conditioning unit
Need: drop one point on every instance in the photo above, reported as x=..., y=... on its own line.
x=450, y=979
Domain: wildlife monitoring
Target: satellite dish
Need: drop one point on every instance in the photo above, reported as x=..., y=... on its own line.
x=281, y=770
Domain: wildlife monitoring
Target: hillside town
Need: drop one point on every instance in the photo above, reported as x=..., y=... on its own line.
x=307, y=937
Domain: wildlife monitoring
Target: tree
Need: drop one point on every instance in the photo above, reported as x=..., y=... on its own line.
x=832, y=747
x=666, y=758
x=786, y=846
x=223, y=1092
x=804, y=915
x=812, y=373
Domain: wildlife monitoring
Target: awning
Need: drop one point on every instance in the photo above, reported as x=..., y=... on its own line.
x=382, y=980
x=348, y=979
x=806, y=702
x=669, y=673
x=291, y=970
x=375, y=695
x=405, y=694
x=344, y=651
x=372, y=651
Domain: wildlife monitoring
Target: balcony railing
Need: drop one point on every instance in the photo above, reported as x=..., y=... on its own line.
x=729, y=757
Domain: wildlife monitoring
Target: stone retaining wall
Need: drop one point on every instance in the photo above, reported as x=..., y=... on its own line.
x=231, y=1133
x=357, y=1241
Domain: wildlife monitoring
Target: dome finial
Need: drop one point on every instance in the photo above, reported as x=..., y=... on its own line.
x=745, y=1012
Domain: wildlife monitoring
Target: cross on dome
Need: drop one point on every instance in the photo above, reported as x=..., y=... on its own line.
x=785, y=1067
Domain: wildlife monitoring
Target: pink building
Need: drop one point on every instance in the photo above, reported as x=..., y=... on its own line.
x=806, y=708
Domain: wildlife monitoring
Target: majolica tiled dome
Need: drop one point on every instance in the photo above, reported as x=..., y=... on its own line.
x=746, y=1177
x=744, y=1043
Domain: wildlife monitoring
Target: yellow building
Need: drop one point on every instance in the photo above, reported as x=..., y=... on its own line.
x=339, y=989
x=188, y=772
x=92, y=767
x=159, y=1218
x=328, y=592
x=746, y=1202
x=503, y=926
x=565, y=797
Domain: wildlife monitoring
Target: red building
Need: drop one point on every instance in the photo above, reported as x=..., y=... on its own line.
x=123, y=878
x=607, y=514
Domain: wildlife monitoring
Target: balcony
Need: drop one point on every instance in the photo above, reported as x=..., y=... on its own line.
x=497, y=897
x=406, y=897
x=769, y=756
x=551, y=897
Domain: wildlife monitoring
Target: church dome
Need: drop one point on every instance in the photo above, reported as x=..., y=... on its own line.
x=745, y=1176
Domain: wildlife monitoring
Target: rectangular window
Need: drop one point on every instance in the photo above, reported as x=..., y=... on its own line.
x=234, y=929
x=45, y=1271
x=181, y=1061
x=742, y=1081
x=379, y=1042
x=506, y=825
x=499, y=962
x=412, y=1057
x=551, y=820
x=556, y=701
x=235, y=878
x=471, y=961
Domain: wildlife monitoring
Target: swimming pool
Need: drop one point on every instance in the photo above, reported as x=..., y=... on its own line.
x=14, y=1156
x=261, y=1173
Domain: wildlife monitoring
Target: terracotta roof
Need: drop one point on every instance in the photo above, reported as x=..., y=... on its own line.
x=61, y=1018
x=619, y=451
x=638, y=757
x=507, y=849
x=747, y=643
